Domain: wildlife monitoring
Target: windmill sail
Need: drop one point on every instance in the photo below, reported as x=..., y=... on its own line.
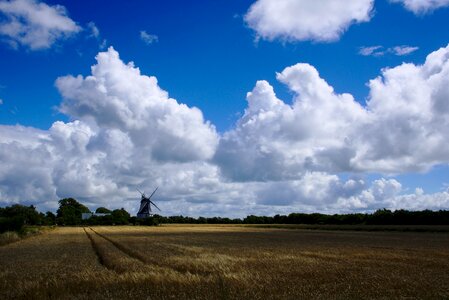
x=145, y=205
x=154, y=205
x=152, y=193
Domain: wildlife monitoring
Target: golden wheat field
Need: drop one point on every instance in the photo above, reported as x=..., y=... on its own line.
x=224, y=262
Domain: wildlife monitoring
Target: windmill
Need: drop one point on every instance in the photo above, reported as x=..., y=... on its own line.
x=145, y=205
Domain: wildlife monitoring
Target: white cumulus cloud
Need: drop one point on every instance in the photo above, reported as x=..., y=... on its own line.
x=34, y=24
x=422, y=6
x=409, y=115
x=318, y=191
x=301, y=20
x=116, y=95
x=125, y=132
x=275, y=140
x=402, y=128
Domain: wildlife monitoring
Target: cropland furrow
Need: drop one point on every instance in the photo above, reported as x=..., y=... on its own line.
x=122, y=248
x=195, y=265
x=95, y=248
x=53, y=265
x=112, y=257
x=146, y=259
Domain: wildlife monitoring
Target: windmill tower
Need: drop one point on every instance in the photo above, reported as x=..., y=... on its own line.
x=145, y=205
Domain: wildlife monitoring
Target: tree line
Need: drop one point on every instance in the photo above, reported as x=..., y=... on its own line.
x=15, y=217
x=379, y=217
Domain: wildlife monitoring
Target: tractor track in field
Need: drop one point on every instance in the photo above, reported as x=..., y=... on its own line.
x=105, y=258
x=134, y=255
x=122, y=248
x=104, y=261
x=96, y=249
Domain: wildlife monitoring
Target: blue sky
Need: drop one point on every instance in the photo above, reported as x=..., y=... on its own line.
x=209, y=54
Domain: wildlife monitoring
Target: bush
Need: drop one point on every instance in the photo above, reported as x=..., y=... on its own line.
x=11, y=224
x=8, y=237
x=151, y=221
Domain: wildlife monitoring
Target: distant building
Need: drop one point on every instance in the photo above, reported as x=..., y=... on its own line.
x=145, y=206
x=85, y=216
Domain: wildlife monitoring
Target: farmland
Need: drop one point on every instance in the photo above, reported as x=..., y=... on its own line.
x=224, y=262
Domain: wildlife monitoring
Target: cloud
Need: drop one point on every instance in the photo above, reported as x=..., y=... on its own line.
x=317, y=191
x=94, y=31
x=275, y=140
x=1, y=101
x=117, y=96
x=403, y=50
x=24, y=172
x=102, y=167
x=125, y=134
x=371, y=51
x=34, y=24
x=279, y=157
x=409, y=114
x=303, y=20
x=403, y=126
x=380, y=51
x=420, y=7
x=148, y=38
x=103, y=44
x=388, y=193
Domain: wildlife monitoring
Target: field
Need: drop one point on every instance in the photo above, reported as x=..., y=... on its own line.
x=224, y=262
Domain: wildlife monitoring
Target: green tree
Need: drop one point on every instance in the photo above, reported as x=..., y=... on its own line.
x=69, y=211
x=49, y=219
x=102, y=210
x=120, y=216
x=381, y=217
x=28, y=214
